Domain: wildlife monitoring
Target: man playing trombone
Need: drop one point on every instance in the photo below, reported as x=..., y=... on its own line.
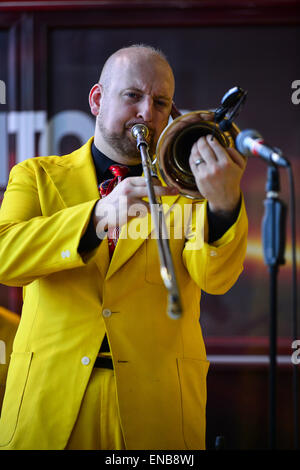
x=97, y=363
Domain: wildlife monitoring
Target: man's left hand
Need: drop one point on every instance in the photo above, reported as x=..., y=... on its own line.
x=219, y=174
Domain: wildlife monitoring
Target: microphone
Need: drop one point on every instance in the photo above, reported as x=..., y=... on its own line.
x=250, y=143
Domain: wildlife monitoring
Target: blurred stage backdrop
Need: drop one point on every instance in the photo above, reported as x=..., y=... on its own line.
x=51, y=54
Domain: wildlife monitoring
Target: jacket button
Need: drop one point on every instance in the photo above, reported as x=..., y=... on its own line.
x=213, y=253
x=106, y=312
x=85, y=360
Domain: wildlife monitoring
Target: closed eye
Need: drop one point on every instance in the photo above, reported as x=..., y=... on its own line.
x=161, y=103
x=132, y=95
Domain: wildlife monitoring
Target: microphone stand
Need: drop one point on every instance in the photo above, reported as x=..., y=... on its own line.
x=273, y=233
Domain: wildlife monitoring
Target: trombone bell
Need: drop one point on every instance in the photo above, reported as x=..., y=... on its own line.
x=175, y=144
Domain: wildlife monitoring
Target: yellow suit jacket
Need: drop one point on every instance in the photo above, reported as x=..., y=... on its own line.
x=9, y=322
x=70, y=301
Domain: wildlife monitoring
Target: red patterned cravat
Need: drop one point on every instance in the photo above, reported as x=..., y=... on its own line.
x=119, y=172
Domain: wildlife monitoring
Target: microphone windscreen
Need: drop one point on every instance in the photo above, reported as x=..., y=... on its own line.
x=241, y=141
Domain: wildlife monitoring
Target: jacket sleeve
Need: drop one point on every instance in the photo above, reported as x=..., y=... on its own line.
x=215, y=267
x=33, y=245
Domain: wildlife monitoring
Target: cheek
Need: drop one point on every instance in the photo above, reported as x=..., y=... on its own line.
x=119, y=116
x=111, y=120
x=112, y=113
x=162, y=125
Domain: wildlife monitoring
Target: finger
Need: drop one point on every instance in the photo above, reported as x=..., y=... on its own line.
x=165, y=191
x=141, y=181
x=239, y=159
x=201, y=150
x=219, y=151
x=135, y=181
x=156, y=181
x=159, y=189
x=139, y=192
x=209, y=116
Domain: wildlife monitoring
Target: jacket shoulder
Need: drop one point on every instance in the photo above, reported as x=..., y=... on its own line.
x=69, y=160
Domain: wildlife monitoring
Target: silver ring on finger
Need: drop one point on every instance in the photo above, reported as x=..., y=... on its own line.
x=199, y=161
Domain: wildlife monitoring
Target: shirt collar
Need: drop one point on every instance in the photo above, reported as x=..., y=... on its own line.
x=102, y=164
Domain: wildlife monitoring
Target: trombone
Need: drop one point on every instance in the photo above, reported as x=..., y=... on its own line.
x=172, y=160
x=140, y=133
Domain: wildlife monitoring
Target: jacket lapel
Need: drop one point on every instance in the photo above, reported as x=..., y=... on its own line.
x=134, y=234
x=77, y=182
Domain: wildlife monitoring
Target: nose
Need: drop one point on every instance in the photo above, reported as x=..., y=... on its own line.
x=145, y=110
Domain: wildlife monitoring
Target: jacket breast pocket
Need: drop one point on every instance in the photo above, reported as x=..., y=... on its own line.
x=15, y=387
x=152, y=265
x=174, y=222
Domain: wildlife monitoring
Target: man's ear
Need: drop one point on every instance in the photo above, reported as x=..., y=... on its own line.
x=94, y=99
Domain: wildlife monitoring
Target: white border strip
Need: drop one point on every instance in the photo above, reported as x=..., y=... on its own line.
x=230, y=359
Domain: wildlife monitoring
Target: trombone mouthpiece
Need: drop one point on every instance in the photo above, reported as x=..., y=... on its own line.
x=139, y=130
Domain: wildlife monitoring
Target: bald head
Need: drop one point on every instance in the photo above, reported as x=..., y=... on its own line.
x=136, y=86
x=134, y=55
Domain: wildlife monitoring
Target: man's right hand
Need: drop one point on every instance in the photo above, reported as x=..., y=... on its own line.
x=115, y=209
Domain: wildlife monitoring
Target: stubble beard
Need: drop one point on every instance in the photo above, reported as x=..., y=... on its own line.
x=123, y=144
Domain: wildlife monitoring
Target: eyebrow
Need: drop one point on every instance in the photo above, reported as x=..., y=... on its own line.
x=160, y=97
